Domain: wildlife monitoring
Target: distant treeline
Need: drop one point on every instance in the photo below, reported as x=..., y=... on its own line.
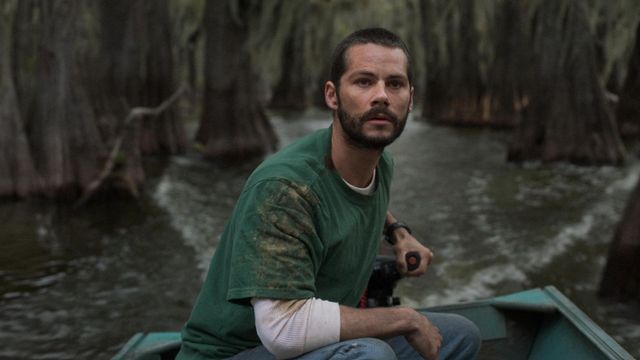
x=87, y=88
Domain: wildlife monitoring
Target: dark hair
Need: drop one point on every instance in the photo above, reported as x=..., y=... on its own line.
x=378, y=36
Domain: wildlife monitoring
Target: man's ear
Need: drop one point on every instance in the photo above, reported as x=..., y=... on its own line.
x=411, y=99
x=331, y=95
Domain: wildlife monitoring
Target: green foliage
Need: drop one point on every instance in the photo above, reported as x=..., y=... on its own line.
x=186, y=17
x=186, y=27
x=614, y=24
x=120, y=159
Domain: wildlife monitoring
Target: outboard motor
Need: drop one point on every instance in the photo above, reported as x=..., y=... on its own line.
x=385, y=275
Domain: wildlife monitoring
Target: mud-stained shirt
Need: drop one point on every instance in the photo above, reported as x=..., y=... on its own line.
x=298, y=231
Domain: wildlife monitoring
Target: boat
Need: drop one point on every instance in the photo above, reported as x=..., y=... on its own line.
x=535, y=324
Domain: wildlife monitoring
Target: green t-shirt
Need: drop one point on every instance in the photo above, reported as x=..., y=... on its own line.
x=298, y=231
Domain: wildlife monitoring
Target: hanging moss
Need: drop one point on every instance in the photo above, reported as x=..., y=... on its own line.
x=309, y=30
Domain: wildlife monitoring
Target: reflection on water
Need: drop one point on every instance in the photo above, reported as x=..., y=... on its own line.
x=77, y=284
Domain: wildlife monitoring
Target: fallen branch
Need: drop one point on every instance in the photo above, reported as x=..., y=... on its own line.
x=134, y=114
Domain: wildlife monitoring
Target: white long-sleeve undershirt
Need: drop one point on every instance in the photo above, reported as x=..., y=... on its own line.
x=289, y=328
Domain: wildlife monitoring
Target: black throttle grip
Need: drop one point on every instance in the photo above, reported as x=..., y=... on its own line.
x=413, y=260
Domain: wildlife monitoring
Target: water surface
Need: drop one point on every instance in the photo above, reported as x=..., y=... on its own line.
x=76, y=284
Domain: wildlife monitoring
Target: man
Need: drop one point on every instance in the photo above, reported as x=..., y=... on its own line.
x=296, y=255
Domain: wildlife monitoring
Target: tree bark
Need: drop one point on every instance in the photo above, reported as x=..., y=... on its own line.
x=628, y=112
x=291, y=92
x=64, y=99
x=505, y=98
x=19, y=177
x=621, y=277
x=567, y=118
x=134, y=115
x=454, y=86
x=234, y=125
x=136, y=38
x=55, y=106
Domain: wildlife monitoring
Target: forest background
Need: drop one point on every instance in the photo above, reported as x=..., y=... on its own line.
x=91, y=89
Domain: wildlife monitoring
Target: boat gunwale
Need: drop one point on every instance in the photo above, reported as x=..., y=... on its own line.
x=545, y=301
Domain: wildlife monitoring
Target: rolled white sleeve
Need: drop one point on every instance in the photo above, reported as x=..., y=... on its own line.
x=289, y=328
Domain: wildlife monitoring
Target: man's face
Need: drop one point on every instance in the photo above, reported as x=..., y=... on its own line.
x=374, y=97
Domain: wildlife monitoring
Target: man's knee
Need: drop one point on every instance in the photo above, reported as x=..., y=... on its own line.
x=468, y=339
x=366, y=348
x=461, y=336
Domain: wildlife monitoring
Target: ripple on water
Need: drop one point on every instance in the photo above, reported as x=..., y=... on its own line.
x=199, y=202
x=495, y=228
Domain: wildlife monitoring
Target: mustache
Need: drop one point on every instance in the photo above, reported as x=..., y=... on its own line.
x=377, y=111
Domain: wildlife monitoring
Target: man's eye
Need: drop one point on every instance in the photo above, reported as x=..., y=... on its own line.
x=363, y=82
x=395, y=84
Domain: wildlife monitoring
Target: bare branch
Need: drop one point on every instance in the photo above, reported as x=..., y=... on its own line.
x=134, y=114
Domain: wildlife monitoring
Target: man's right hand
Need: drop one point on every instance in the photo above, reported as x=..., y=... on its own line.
x=426, y=339
x=384, y=323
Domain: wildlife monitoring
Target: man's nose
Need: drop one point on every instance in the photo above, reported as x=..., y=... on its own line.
x=380, y=96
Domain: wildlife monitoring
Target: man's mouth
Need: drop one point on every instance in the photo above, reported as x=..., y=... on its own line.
x=379, y=115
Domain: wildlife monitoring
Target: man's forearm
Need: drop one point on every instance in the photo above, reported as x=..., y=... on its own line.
x=376, y=322
x=389, y=322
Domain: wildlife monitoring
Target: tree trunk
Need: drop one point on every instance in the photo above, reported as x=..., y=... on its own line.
x=64, y=100
x=567, y=118
x=137, y=40
x=505, y=99
x=59, y=120
x=621, y=277
x=18, y=176
x=290, y=92
x=454, y=86
x=234, y=125
x=628, y=112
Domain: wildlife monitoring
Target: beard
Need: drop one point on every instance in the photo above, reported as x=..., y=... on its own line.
x=353, y=127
